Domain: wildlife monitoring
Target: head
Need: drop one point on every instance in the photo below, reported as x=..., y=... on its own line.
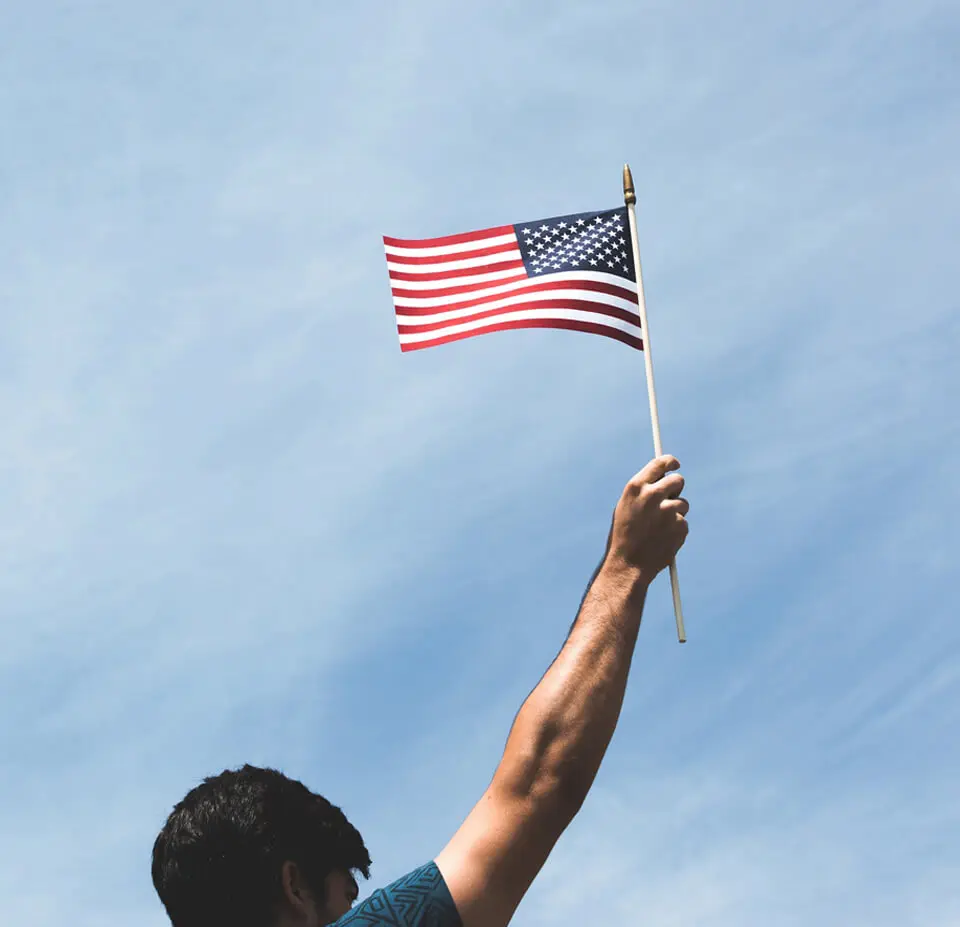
x=253, y=848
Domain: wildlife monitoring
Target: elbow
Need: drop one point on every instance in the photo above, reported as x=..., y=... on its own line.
x=566, y=772
x=545, y=771
x=570, y=788
x=560, y=792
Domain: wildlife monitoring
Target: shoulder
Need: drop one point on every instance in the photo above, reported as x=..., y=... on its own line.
x=418, y=899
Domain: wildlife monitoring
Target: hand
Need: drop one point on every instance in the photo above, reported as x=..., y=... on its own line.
x=649, y=523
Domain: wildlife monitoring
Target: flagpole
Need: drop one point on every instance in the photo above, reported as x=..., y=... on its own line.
x=630, y=198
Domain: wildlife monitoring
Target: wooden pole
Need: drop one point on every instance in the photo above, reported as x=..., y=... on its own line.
x=630, y=198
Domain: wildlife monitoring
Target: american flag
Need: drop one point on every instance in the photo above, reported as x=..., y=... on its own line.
x=573, y=272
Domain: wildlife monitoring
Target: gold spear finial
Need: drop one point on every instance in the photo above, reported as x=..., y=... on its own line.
x=629, y=194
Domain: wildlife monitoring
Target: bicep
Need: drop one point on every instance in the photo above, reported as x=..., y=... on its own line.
x=498, y=852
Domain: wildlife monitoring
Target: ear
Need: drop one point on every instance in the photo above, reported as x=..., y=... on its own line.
x=296, y=894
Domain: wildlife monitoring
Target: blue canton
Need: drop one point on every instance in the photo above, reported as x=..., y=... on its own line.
x=419, y=899
x=591, y=241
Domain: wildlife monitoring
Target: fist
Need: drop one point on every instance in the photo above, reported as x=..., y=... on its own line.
x=649, y=523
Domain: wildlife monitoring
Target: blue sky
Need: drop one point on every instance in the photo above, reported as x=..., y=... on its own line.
x=237, y=525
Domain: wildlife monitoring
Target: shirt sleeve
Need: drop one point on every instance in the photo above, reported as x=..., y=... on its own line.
x=419, y=899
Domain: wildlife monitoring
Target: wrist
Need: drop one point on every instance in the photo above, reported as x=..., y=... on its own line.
x=628, y=578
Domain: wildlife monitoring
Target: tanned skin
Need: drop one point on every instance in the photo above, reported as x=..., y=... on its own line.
x=563, y=729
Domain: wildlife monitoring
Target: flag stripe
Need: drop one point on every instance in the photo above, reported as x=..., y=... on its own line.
x=417, y=334
x=455, y=259
x=611, y=285
x=465, y=285
x=592, y=328
x=450, y=243
x=467, y=272
x=471, y=259
x=570, y=299
x=551, y=308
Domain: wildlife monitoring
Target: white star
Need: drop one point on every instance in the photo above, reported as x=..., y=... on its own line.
x=526, y=231
x=581, y=222
x=562, y=225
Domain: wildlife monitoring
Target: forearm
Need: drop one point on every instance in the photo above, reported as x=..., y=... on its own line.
x=564, y=727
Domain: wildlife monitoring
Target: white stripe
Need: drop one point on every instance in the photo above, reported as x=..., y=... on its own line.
x=460, y=281
x=601, y=299
x=436, y=251
x=513, y=255
x=566, y=277
x=575, y=315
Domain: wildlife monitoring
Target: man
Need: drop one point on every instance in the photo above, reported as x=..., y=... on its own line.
x=252, y=848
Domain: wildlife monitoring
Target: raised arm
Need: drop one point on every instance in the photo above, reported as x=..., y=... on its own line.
x=562, y=731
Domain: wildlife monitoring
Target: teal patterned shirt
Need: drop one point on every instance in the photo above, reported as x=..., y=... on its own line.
x=419, y=899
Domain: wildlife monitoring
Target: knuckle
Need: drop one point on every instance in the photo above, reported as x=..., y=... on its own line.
x=644, y=485
x=672, y=484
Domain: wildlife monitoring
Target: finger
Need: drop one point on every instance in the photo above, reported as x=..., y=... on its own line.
x=670, y=486
x=656, y=469
x=680, y=506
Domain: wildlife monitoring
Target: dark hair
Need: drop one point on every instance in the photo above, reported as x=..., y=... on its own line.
x=219, y=857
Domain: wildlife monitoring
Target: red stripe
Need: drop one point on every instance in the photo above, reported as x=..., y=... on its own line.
x=460, y=272
x=458, y=290
x=536, y=286
x=456, y=255
x=448, y=239
x=597, y=308
x=591, y=328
